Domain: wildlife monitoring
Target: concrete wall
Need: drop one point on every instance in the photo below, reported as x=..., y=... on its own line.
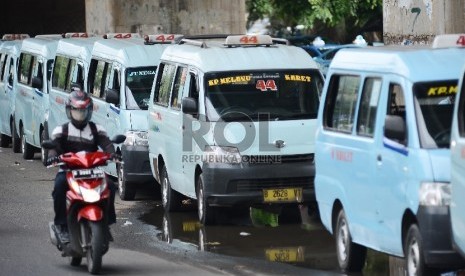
x=419, y=21
x=166, y=16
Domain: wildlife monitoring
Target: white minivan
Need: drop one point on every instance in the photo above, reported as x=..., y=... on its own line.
x=457, y=205
x=121, y=74
x=232, y=121
x=382, y=154
x=32, y=91
x=9, y=54
x=70, y=70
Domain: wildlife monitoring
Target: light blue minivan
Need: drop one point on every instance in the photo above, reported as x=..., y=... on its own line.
x=121, y=74
x=9, y=54
x=32, y=98
x=382, y=154
x=457, y=205
x=70, y=69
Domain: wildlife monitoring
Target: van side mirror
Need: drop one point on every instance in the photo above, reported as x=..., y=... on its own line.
x=189, y=106
x=112, y=96
x=395, y=128
x=37, y=83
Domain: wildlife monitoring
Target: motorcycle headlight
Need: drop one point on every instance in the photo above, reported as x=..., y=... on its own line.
x=93, y=195
x=435, y=194
x=217, y=154
x=136, y=138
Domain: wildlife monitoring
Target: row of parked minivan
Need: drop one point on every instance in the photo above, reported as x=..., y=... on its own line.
x=249, y=120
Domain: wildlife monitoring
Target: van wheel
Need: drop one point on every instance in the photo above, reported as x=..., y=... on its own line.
x=43, y=151
x=171, y=199
x=413, y=252
x=4, y=141
x=207, y=214
x=126, y=189
x=26, y=149
x=350, y=256
x=15, y=139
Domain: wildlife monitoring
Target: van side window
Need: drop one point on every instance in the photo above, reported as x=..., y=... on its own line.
x=75, y=76
x=396, y=103
x=97, y=79
x=59, y=72
x=37, y=69
x=179, y=81
x=341, y=100
x=3, y=60
x=25, y=68
x=368, y=106
x=165, y=82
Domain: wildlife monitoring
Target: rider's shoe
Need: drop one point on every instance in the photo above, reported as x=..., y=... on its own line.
x=63, y=233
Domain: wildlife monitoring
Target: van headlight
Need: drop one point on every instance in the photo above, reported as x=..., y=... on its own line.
x=136, y=138
x=218, y=154
x=435, y=194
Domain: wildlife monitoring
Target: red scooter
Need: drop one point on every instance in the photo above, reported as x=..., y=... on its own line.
x=87, y=201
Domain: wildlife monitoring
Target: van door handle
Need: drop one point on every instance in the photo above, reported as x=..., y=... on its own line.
x=108, y=115
x=379, y=158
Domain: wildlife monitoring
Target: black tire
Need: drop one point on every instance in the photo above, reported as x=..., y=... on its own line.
x=15, y=140
x=126, y=189
x=413, y=251
x=43, y=151
x=350, y=256
x=26, y=149
x=171, y=199
x=207, y=214
x=4, y=141
x=75, y=261
x=96, y=235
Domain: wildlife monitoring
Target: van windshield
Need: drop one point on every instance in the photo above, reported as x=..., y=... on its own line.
x=262, y=95
x=434, y=105
x=138, y=85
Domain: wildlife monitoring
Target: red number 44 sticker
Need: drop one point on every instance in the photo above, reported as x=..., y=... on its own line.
x=266, y=85
x=461, y=40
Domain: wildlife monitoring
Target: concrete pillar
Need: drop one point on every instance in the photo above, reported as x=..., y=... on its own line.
x=419, y=21
x=166, y=16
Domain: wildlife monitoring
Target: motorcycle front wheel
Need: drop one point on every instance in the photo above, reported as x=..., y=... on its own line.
x=96, y=247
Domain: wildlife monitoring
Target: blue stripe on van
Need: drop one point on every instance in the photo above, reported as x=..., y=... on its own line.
x=395, y=146
x=115, y=109
x=38, y=92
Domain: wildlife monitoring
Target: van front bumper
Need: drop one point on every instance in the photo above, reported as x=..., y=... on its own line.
x=435, y=228
x=137, y=163
x=243, y=184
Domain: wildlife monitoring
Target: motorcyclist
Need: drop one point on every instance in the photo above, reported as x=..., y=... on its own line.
x=79, y=134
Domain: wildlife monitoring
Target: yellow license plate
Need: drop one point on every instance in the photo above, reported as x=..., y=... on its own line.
x=285, y=255
x=282, y=195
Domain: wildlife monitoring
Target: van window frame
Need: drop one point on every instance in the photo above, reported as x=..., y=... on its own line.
x=461, y=109
x=24, y=74
x=159, y=79
x=361, y=130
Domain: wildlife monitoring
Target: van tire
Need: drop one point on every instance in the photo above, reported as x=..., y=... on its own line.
x=350, y=256
x=126, y=189
x=4, y=141
x=413, y=251
x=15, y=139
x=26, y=149
x=171, y=199
x=207, y=214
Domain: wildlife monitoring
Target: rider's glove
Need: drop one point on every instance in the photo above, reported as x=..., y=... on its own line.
x=53, y=160
x=116, y=157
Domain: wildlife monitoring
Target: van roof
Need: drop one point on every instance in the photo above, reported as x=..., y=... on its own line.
x=415, y=63
x=12, y=46
x=80, y=48
x=41, y=46
x=129, y=52
x=217, y=57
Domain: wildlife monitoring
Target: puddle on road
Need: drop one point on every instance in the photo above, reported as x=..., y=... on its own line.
x=286, y=235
